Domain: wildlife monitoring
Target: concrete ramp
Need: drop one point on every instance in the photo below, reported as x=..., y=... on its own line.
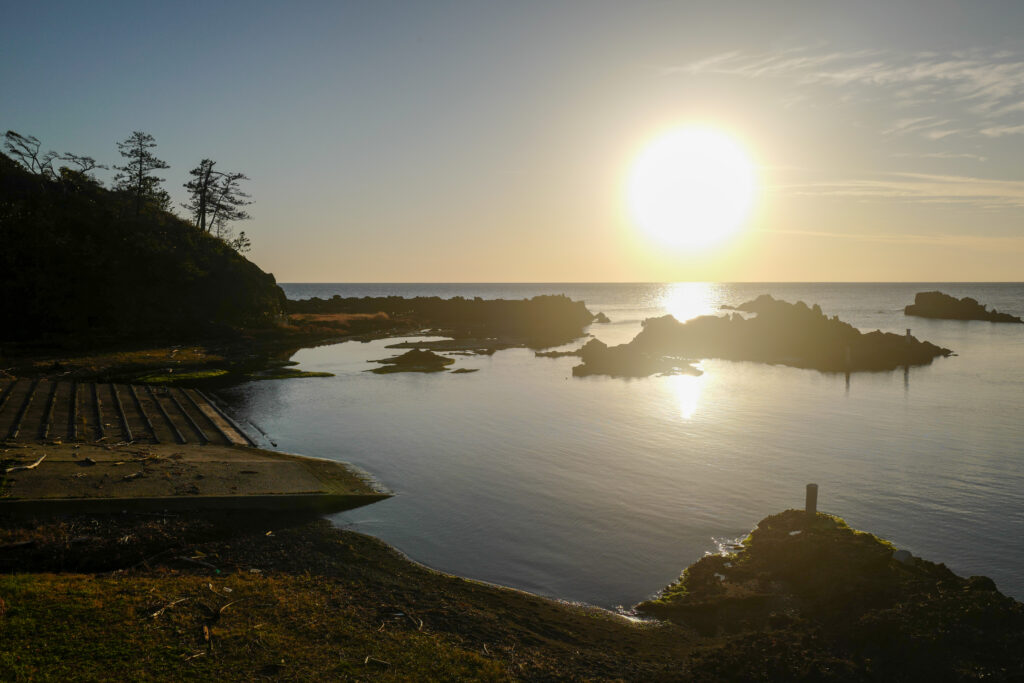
x=87, y=478
x=42, y=410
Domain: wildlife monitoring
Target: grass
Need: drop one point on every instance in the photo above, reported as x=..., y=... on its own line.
x=238, y=627
x=296, y=600
x=323, y=604
x=181, y=377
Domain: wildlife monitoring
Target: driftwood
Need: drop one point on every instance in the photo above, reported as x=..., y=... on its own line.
x=18, y=468
x=167, y=607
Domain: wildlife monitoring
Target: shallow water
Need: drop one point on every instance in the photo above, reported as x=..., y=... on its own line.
x=601, y=490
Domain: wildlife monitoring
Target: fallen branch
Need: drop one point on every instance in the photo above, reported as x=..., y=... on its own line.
x=221, y=610
x=18, y=468
x=167, y=607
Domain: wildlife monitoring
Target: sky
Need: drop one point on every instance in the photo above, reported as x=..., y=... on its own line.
x=492, y=142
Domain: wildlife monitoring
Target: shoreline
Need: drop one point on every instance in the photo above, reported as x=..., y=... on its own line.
x=239, y=596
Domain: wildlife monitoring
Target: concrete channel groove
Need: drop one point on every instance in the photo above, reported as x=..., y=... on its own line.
x=45, y=410
x=15, y=428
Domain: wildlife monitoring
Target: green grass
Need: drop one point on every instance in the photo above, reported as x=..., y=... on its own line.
x=181, y=377
x=176, y=627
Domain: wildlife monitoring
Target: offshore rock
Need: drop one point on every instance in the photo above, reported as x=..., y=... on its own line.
x=622, y=361
x=946, y=307
x=413, y=361
x=780, y=333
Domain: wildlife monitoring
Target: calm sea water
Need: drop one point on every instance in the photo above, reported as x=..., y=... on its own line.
x=602, y=490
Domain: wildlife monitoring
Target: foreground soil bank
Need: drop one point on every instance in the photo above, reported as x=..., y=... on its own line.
x=272, y=598
x=244, y=597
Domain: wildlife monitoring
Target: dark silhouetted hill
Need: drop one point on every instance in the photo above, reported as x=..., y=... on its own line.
x=79, y=267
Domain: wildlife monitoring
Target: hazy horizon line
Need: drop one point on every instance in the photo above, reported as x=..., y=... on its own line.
x=673, y=282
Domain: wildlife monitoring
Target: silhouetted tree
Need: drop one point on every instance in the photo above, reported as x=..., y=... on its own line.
x=84, y=163
x=215, y=199
x=136, y=176
x=241, y=244
x=200, y=190
x=25, y=150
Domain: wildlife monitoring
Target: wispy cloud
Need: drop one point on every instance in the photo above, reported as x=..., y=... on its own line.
x=921, y=188
x=999, y=131
x=939, y=155
x=986, y=86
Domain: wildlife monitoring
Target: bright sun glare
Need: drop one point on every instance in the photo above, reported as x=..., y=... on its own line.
x=691, y=187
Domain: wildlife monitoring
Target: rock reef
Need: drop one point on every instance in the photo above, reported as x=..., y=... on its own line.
x=946, y=307
x=413, y=361
x=540, y=322
x=621, y=361
x=809, y=598
x=779, y=333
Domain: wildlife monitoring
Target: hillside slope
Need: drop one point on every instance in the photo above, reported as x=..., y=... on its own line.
x=79, y=267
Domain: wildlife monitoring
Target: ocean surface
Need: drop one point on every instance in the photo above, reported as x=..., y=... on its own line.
x=602, y=490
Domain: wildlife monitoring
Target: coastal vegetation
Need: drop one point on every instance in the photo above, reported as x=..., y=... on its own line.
x=85, y=266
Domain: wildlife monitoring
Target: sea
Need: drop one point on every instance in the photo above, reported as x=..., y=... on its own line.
x=601, y=491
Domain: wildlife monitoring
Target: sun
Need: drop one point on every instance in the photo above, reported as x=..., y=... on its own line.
x=691, y=187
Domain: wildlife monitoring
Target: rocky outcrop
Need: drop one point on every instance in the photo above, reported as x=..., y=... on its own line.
x=780, y=333
x=540, y=322
x=946, y=307
x=809, y=598
x=620, y=361
x=413, y=361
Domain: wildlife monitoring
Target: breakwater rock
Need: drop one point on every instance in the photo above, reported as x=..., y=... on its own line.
x=944, y=306
x=809, y=598
x=780, y=333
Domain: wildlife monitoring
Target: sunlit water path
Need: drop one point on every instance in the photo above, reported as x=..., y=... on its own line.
x=601, y=490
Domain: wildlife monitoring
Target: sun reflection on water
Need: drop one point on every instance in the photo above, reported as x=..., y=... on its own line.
x=687, y=390
x=686, y=300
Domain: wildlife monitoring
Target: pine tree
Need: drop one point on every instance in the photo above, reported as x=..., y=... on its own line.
x=136, y=176
x=215, y=200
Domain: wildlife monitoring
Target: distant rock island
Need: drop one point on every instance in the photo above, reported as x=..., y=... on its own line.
x=779, y=333
x=946, y=307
